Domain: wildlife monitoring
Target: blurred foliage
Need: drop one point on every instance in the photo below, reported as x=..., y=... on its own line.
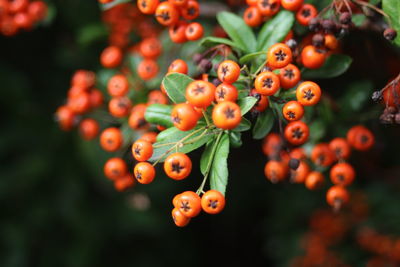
x=59, y=210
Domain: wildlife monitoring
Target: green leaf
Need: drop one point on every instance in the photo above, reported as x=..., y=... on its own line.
x=392, y=8
x=248, y=57
x=175, y=84
x=168, y=138
x=238, y=30
x=275, y=30
x=243, y=126
x=334, y=66
x=128, y=135
x=235, y=139
x=113, y=4
x=219, y=169
x=264, y=124
x=356, y=96
x=358, y=19
x=159, y=114
x=213, y=41
x=246, y=104
x=374, y=2
x=317, y=131
x=91, y=33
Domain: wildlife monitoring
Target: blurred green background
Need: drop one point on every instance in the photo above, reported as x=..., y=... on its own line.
x=57, y=211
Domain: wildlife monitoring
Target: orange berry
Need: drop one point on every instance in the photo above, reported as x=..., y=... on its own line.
x=293, y=111
x=142, y=150
x=189, y=204
x=228, y=71
x=177, y=166
x=279, y=56
x=296, y=132
x=144, y=172
x=200, y=93
x=184, y=116
x=213, y=202
x=308, y=93
x=226, y=115
x=89, y=129
x=115, y=168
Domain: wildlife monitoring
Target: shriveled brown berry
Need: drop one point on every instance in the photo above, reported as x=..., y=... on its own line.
x=390, y=34
x=345, y=18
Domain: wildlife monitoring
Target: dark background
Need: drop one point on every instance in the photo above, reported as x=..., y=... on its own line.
x=58, y=210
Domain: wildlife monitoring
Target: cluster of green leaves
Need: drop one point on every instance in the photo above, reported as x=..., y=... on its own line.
x=214, y=160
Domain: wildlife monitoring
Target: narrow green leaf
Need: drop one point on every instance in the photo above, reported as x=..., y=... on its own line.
x=159, y=114
x=246, y=104
x=213, y=41
x=264, y=124
x=238, y=30
x=128, y=135
x=248, y=57
x=275, y=30
x=167, y=139
x=392, y=8
x=219, y=170
x=334, y=66
x=175, y=84
x=243, y=126
x=205, y=157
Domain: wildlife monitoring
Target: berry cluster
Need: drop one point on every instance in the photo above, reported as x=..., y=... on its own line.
x=175, y=15
x=82, y=98
x=261, y=10
x=308, y=168
x=18, y=15
x=328, y=230
x=124, y=21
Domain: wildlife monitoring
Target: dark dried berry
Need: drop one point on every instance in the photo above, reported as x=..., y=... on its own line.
x=292, y=43
x=345, y=18
x=205, y=65
x=328, y=25
x=294, y=163
x=318, y=40
x=254, y=113
x=397, y=118
x=216, y=81
x=266, y=68
x=197, y=58
x=257, y=95
x=390, y=110
x=314, y=24
x=390, y=34
x=377, y=96
x=386, y=118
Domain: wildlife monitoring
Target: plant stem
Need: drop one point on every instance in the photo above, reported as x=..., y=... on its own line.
x=209, y=163
x=206, y=118
x=178, y=143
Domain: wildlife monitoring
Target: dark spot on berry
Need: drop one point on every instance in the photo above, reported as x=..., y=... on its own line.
x=176, y=167
x=229, y=113
x=280, y=55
